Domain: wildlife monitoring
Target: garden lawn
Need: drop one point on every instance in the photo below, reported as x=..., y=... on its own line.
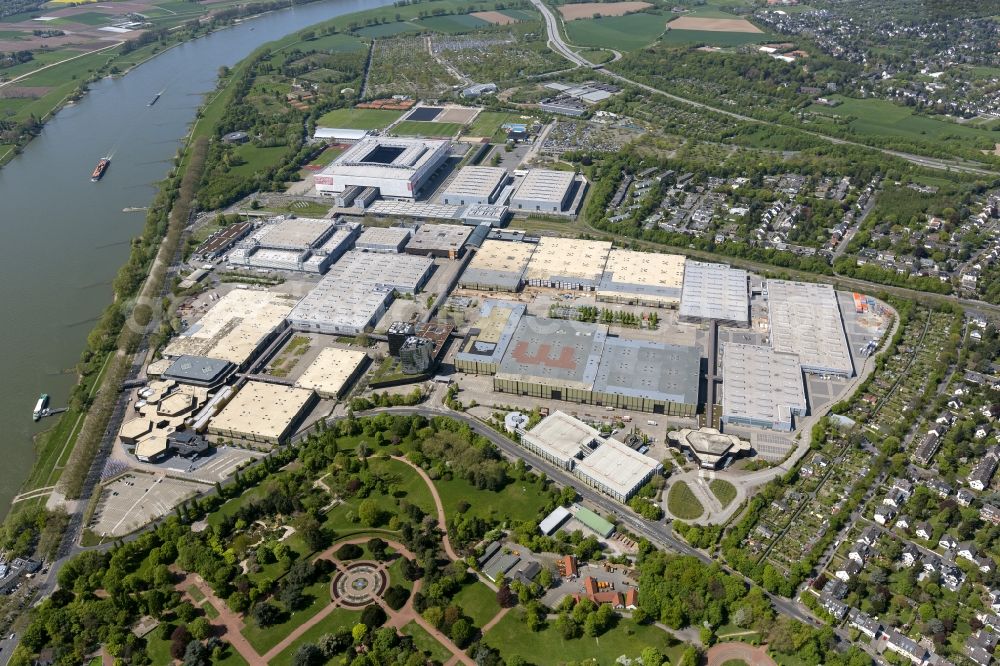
x=327, y=156
x=264, y=638
x=875, y=117
x=518, y=501
x=622, y=33
x=453, y=24
x=422, y=128
x=337, y=619
x=232, y=506
x=512, y=637
x=365, y=119
x=426, y=643
x=724, y=491
x=477, y=601
x=682, y=503
x=258, y=158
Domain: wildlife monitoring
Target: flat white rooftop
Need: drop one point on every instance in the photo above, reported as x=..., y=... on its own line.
x=760, y=385
x=498, y=264
x=561, y=435
x=715, y=291
x=476, y=182
x=234, y=327
x=645, y=276
x=331, y=370
x=419, y=209
x=296, y=233
x=568, y=260
x=383, y=237
x=805, y=320
x=402, y=272
x=617, y=467
x=439, y=238
x=261, y=411
x=544, y=185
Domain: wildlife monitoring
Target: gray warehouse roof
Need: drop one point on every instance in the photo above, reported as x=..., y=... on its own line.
x=642, y=369
x=761, y=385
x=544, y=185
x=489, y=336
x=198, y=369
x=556, y=352
x=402, y=272
x=475, y=181
x=439, y=238
x=715, y=291
x=383, y=238
x=805, y=320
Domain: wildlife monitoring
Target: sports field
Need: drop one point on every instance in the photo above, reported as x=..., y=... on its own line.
x=584, y=10
x=881, y=118
x=420, y=128
x=366, y=119
x=622, y=33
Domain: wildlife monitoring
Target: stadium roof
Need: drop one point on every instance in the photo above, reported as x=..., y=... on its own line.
x=715, y=291
x=386, y=157
x=805, y=320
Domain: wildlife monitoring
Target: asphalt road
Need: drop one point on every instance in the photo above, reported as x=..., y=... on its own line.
x=557, y=44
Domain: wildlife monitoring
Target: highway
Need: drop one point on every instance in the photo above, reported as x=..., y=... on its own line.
x=557, y=44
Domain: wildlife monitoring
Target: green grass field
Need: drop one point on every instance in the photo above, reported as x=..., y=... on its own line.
x=387, y=29
x=520, y=14
x=410, y=487
x=453, y=24
x=258, y=158
x=512, y=637
x=337, y=619
x=426, y=643
x=622, y=33
x=366, y=119
x=264, y=638
x=478, y=602
x=682, y=503
x=711, y=38
x=723, y=490
x=520, y=500
x=488, y=123
x=90, y=18
x=421, y=128
x=336, y=43
x=875, y=117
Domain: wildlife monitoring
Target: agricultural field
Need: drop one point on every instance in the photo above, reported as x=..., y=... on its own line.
x=506, y=16
x=874, y=117
x=585, y=10
x=335, y=43
x=386, y=29
x=723, y=39
x=452, y=24
x=622, y=33
x=366, y=119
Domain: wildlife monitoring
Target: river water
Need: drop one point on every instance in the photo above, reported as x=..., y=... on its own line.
x=63, y=238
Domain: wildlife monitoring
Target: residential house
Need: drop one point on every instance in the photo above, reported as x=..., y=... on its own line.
x=906, y=646
x=980, y=646
x=952, y=577
x=927, y=448
x=990, y=514
x=884, y=514
x=910, y=555
x=895, y=498
x=968, y=550
x=847, y=572
x=940, y=487
x=903, y=522
x=835, y=607
x=864, y=623
x=835, y=588
x=986, y=564
x=982, y=473
x=869, y=535
x=965, y=496
x=948, y=542
x=859, y=552
x=924, y=530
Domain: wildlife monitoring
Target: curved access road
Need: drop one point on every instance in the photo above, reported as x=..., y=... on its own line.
x=557, y=44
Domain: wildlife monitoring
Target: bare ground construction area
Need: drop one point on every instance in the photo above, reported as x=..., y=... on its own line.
x=586, y=10
x=710, y=24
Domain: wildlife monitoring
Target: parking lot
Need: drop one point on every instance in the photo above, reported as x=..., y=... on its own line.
x=136, y=499
x=217, y=466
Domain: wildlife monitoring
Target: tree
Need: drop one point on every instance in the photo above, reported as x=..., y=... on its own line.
x=461, y=632
x=179, y=640
x=377, y=547
x=368, y=512
x=311, y=531
x=506, y=598
x=373, y=616
x=200, y=628
x=266, y=614
x=358, y=632
x=308, y=655
x=196, y=654
x=651, y=657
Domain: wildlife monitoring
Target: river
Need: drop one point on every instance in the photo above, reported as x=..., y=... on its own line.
x=63, y=238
